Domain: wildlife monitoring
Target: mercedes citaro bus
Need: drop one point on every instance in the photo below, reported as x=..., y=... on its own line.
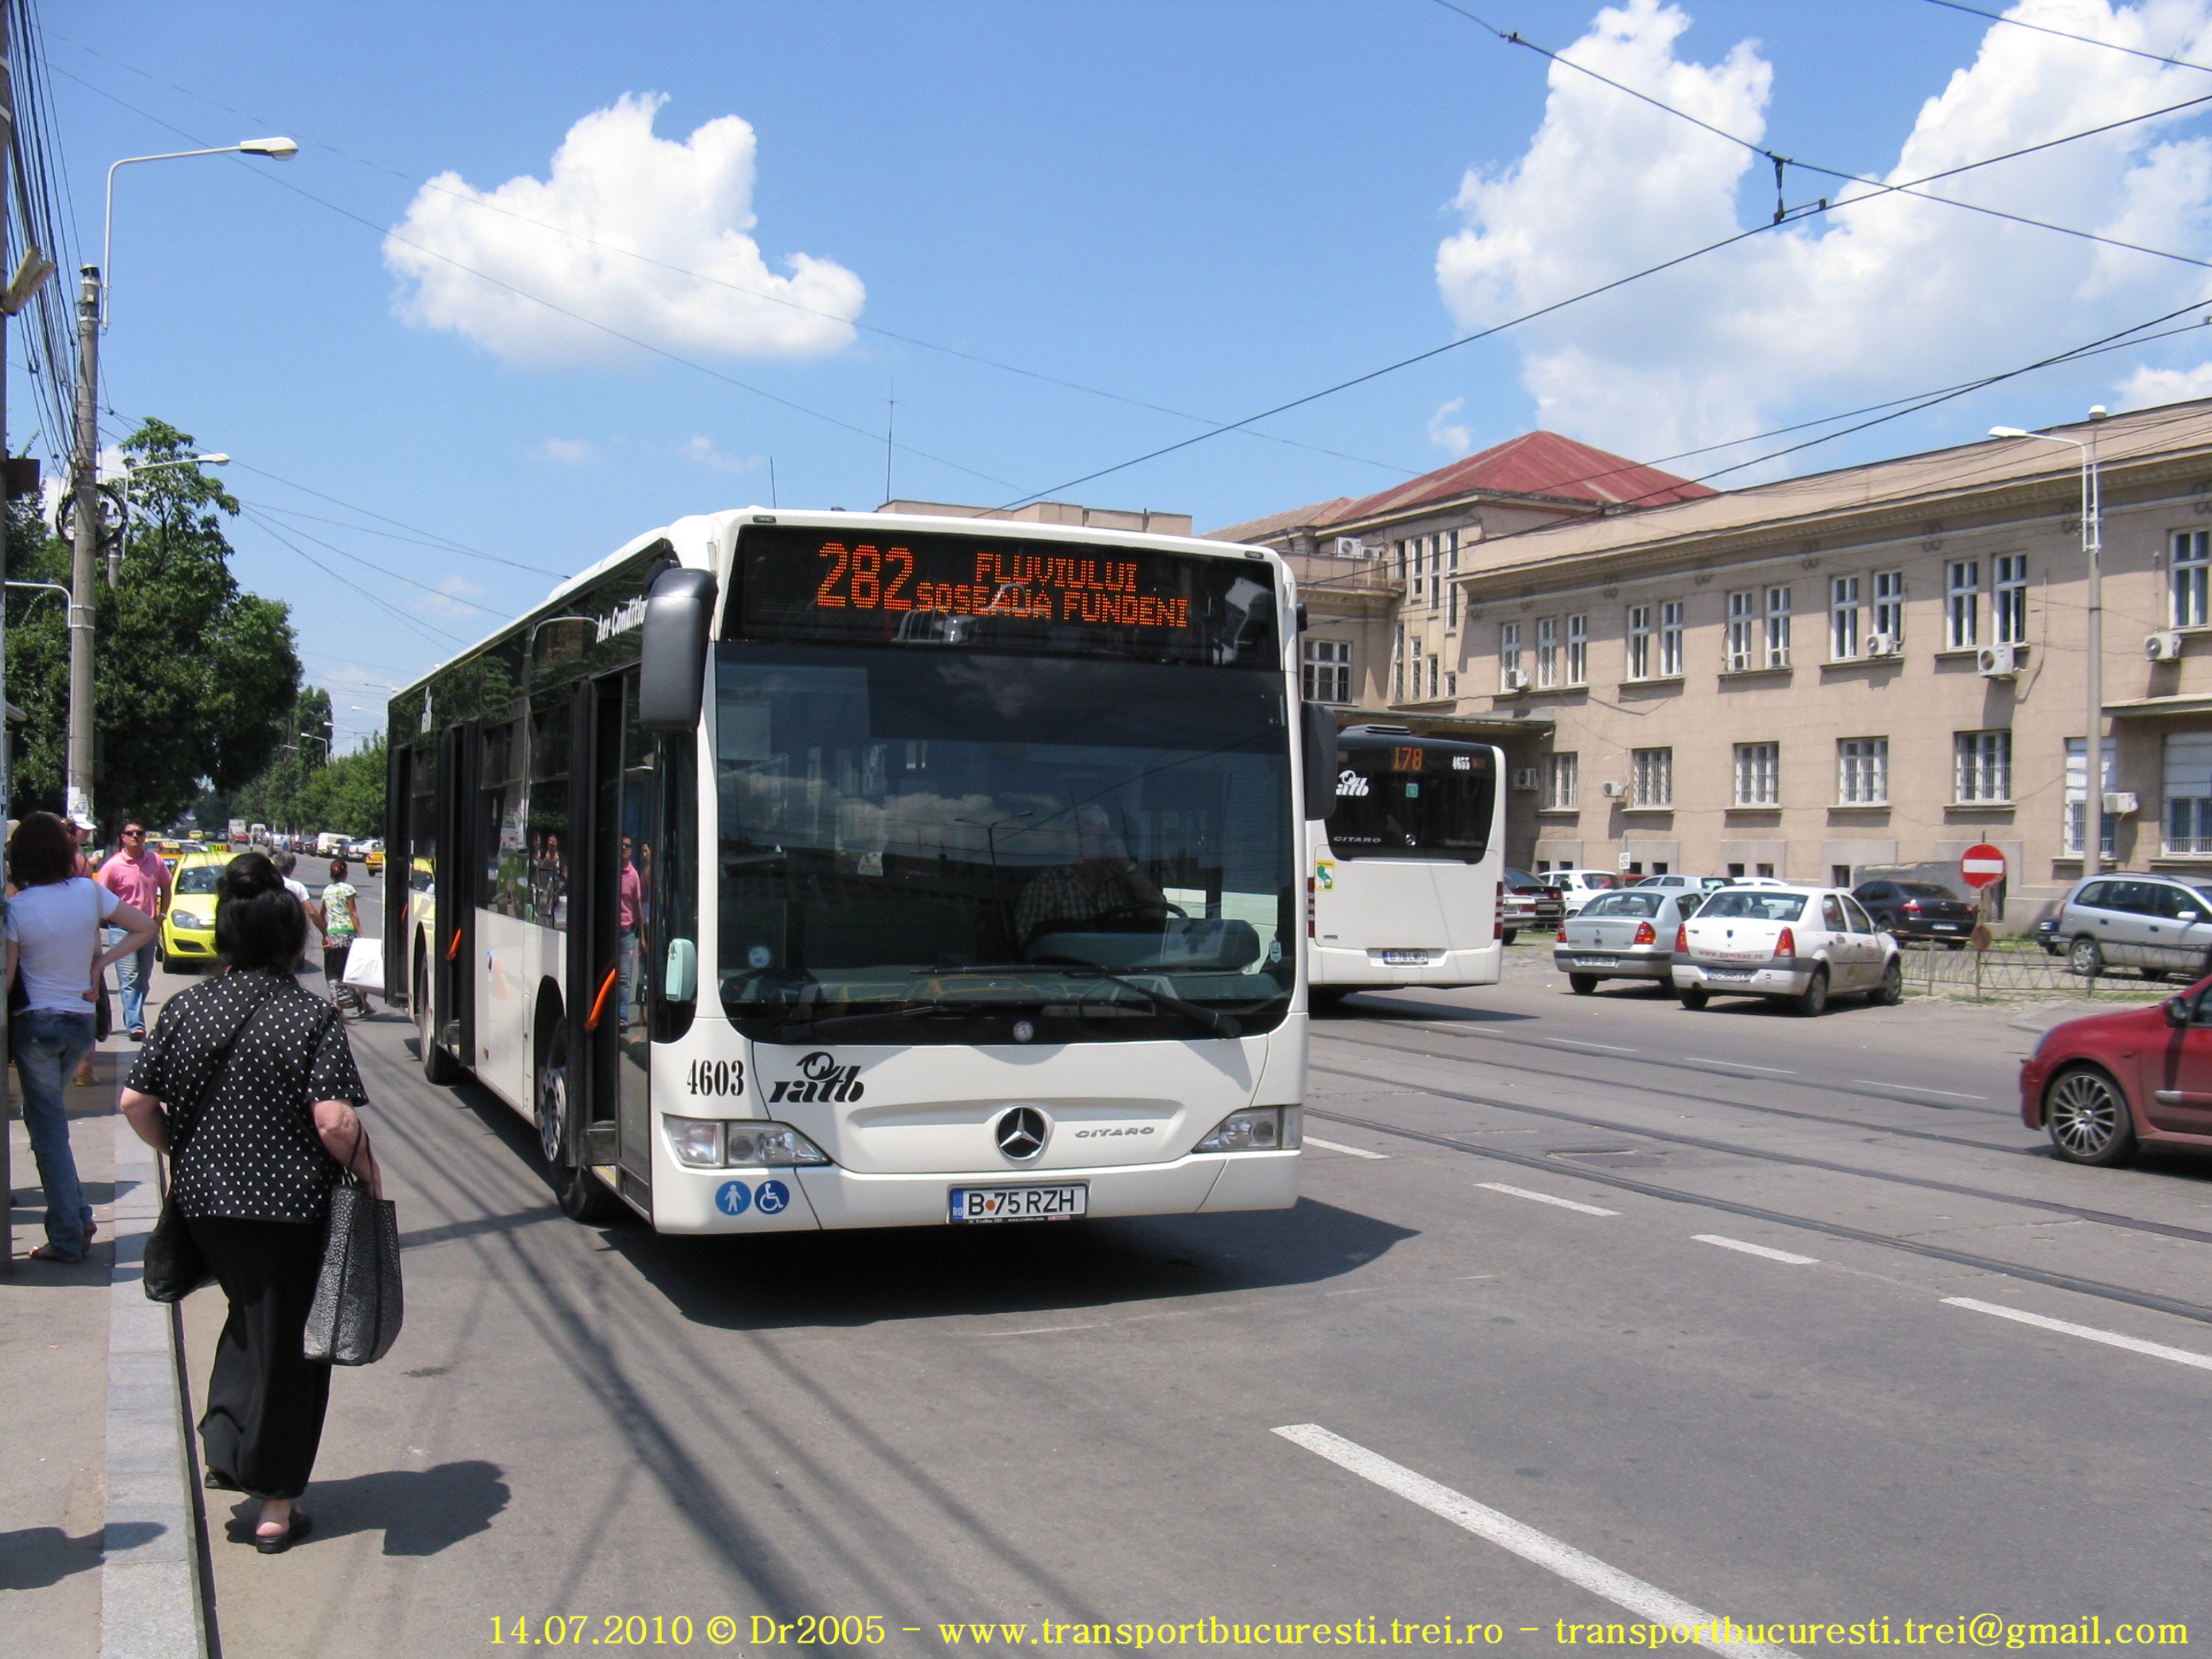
x=798, y=869
x=1409, y=870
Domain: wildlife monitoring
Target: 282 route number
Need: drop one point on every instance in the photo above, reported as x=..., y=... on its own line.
x=717, y=1076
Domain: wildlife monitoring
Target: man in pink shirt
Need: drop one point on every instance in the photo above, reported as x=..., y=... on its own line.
x=629, y=910
x=137, y=875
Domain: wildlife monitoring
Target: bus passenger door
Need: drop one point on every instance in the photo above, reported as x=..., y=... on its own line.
x=452, y=961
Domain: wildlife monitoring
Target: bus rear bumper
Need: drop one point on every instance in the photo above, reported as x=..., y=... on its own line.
x=1334, y=965
x=690, y=1201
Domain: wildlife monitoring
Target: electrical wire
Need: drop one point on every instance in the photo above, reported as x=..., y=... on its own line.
x=2063, y=34
x=399, y=615
x=445, y=543
x=440, y=593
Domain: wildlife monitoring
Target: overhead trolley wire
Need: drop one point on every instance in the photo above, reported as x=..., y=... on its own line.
x=2063, y=34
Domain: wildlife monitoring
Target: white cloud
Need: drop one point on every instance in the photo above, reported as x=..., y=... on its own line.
x=569, y=452
x=702, y=450
x=619, y=191
x=1447, y=434
x=2146, y=386
x=1881, y=299
x=451, y=600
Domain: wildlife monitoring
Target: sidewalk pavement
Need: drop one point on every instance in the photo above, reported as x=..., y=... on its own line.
x=99, y=1550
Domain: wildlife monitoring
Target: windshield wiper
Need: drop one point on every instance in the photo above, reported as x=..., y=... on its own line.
x=1219, y=1023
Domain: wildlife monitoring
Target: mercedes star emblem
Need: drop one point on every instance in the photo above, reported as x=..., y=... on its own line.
x=1020, y=1133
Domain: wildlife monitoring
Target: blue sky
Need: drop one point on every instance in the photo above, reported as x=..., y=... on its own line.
x=1208, y=207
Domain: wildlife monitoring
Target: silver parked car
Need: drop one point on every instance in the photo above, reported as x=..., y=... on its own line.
x=1624, y=935
x=2157, y=925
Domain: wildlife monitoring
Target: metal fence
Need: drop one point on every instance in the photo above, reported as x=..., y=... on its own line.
x=2126, y=970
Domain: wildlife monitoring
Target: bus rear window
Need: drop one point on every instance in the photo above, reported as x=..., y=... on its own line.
x=1406, y=797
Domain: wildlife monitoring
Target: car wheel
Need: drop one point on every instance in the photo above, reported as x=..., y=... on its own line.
x=2083, y=957
x=2088, y=1117
x=581, y=1193
x=1891, y=991
x=1692, y=997
x=1813, y=1000
x=1510, y=934
x=438, y=1065
x=1582, y=984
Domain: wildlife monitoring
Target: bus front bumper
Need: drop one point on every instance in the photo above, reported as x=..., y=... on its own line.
x=686, y=1201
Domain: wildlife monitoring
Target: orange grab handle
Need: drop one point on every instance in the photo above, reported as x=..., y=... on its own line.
x=600, y=1002
x=453, y=947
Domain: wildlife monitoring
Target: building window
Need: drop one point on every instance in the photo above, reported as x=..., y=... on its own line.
x=1454, y=538
x=1889, y=604
x=1777, y=627
x=1985, y=767
x=1962, y=604
x=1843, y=618
x=1451, y=683
x=1862, y=772
x=2188, y=793
x=1433, y=678
x=1509, y=656
x=1328, y=671
x=2192, y=562
x=1559, y=782
x=1451, y=607
x=1578, y=650
x=1742, y=631
x=1758, y=774
x=2074, y=807
x=1548, y=650
x=1398, y=665
x=1651, y=772
x=1639, y=642
x=1401, y=549
x=2009, y=617
x=1670, y=639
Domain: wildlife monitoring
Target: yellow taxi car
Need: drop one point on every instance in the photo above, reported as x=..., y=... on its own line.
x=372, y=859
x=187, y=936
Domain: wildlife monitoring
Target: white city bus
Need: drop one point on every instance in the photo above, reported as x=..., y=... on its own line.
x=797, y=870
x=1408, y=870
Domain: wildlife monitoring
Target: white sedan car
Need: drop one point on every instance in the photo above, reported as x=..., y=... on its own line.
x=1804, y=944
x=1576, y=887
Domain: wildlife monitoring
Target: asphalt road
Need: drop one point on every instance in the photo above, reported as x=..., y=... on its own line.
x=1663, y=1294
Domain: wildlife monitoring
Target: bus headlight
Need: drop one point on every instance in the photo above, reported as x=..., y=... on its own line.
x=776, y=1145
x=1261, y=1129
x=696, y=1141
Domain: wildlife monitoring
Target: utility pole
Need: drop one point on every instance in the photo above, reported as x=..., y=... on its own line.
x=85, y=482
x=2092, y=751
x=7, y=155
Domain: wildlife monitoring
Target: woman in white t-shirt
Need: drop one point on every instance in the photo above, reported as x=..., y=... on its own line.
x=54, y=927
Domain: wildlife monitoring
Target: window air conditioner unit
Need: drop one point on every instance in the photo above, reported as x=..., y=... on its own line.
x=2002, y=662
x=2162, y=647
x=1351, y=547
x=1614, y=791
x=1527, y=777
x=1516, y=679
x=2122, y=803
x=1883, y=645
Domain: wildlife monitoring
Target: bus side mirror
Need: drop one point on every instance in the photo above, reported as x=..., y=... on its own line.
x=672, y=673
x=680, y=983
x=1318, y=748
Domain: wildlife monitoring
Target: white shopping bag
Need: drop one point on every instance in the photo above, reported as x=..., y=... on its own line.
x=364, y=968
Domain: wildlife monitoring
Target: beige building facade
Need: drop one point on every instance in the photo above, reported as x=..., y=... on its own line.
x=1872, y=667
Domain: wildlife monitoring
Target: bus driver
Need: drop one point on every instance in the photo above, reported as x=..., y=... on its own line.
x=1104, y=885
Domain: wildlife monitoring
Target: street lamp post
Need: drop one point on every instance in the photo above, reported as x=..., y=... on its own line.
x=122, y=537
x=91, y=323
x=2093, y=544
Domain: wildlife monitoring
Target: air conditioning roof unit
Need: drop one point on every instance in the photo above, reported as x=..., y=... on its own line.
x=2164, y=645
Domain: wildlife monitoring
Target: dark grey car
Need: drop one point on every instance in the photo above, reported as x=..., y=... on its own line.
x=1629, y=934
x=2157, y=925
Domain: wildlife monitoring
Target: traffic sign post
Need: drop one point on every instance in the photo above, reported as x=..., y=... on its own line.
x=1981, y=867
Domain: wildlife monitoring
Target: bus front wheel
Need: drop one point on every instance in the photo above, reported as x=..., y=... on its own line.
x=438, y=1065
x=580, y=1194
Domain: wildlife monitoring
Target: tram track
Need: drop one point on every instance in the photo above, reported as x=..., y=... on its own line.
x=1797, y=1160
x=1837, y=1230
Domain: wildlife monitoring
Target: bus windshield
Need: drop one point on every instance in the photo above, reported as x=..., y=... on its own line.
x=1396, y=796
x=922, y=846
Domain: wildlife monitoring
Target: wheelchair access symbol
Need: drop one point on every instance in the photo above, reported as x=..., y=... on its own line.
x=774, y=1197
x=734, y=1197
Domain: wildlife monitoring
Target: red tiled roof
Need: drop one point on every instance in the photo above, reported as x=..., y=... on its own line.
x=1534, y=464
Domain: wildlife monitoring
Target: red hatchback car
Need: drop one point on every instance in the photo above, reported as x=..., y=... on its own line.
x=2105, y=1085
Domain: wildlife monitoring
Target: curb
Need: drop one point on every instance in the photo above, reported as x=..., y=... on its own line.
x=150, y=1579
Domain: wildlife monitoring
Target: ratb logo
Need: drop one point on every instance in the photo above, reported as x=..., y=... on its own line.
x=820, y=1079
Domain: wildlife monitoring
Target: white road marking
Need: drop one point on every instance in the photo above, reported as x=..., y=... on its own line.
x=1610, y=1047
x=1339, y=1146
x=1645, y=1601
x=1914, y=1088
x=1728, y=1244
x=1746, y=1065
x=1543, y=1197
x=2087, y=1333
x=1050, y=1330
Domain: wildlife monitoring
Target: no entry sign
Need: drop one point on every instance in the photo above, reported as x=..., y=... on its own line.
x=1981, y=865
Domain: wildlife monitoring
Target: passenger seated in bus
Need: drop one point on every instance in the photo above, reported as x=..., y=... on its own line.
x=1102, y=887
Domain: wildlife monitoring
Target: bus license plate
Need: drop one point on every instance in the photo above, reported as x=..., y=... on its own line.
x=1404, y=958
x=1020, y=1203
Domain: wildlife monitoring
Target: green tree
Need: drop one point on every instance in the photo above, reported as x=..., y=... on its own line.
x=193, y=676
x=274, y=797
x=348, y=794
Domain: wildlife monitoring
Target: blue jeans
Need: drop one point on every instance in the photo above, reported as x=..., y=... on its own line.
x=48, y=1047
x=134, y=977
x=626, y=956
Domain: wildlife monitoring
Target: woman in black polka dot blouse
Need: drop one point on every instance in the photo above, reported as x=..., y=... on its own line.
x=251, y=1082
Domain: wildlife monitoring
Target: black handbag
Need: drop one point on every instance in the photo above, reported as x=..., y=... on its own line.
x=356, y=1315
x=173, y=1266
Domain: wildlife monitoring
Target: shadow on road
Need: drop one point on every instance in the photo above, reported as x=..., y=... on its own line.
x=1373, y=1005
x=419, y=1512
x=32, y=1557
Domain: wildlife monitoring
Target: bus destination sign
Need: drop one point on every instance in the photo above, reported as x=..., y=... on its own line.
x=956, y=590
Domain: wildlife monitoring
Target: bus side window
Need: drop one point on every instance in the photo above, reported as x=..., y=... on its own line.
x=674, y=899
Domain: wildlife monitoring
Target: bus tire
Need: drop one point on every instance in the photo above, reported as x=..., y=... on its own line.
x=580, y=1194
x=439, y=1067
